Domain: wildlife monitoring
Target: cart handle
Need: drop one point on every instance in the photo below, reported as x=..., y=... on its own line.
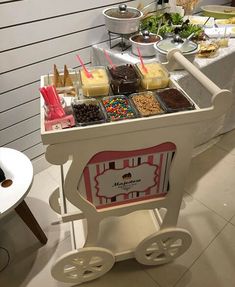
x=176, y=54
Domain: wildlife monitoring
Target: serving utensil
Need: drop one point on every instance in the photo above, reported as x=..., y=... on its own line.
x=180, y=46
x=87, y=73
x=141, y=60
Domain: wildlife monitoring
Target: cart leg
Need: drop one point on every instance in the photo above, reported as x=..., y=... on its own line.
x=172, y=211
x=171, y=217
x=175, y=196
x=92, y=231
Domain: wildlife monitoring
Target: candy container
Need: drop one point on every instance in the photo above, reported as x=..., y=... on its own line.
x=154, y=77
x=87, y=112
x=173, y=100
x=124, y=79
x=97, y=84
x=147, y=104
x=118, y=108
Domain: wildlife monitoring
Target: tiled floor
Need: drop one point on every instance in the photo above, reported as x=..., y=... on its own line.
x=208, y=212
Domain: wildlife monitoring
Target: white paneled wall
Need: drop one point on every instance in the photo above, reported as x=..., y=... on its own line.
x=35, y=35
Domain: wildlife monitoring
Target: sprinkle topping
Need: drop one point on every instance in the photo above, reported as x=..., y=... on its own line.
x=118, y=108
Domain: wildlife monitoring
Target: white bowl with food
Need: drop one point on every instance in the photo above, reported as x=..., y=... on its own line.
x=145, y=42
x=122, y=19
x=230, y=22
x=189, y=49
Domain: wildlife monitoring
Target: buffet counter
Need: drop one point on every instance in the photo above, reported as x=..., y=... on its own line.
x=220, y=69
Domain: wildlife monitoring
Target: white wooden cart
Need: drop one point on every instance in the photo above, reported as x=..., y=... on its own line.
x=121, y=175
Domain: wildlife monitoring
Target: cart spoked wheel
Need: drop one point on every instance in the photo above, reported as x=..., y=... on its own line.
x=163, y=246
x=83, y=265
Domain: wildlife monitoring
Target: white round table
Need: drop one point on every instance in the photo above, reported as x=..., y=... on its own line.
x=18, y=168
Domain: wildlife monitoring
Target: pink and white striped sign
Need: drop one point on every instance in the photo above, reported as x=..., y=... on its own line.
x=119, y=177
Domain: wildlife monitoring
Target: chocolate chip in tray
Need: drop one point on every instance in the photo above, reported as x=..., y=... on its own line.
x=87, y=113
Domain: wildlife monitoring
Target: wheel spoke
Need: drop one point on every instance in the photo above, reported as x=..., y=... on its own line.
x=173, y=242
x=82, y=261
x=161, y=245
x=87, y=273
x=173, y=251
x=95, y=261
x=156, y=255
x=176, y=245
x=96, y=265
x=170, y=241
x=69, y=269
x=152, y=249
x=95, y=268
x=78, y=261
x=72, y=274
x=155, y=249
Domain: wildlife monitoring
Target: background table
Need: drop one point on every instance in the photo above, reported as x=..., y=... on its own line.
x=18, y=168
x=219, y=69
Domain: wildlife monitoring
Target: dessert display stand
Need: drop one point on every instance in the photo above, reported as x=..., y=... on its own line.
x=122, y=176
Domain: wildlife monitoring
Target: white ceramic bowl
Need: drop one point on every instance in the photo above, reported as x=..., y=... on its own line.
x=146, y=49
x=162, y=53
x=122, y=25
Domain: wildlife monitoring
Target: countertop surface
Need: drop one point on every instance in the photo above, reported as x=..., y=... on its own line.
x=118, y=56
x=219, y=68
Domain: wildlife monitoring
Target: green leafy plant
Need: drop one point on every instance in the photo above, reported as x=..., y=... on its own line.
x=150, y=23
x=187, y=30
x=176, y=19
x=167, y=22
